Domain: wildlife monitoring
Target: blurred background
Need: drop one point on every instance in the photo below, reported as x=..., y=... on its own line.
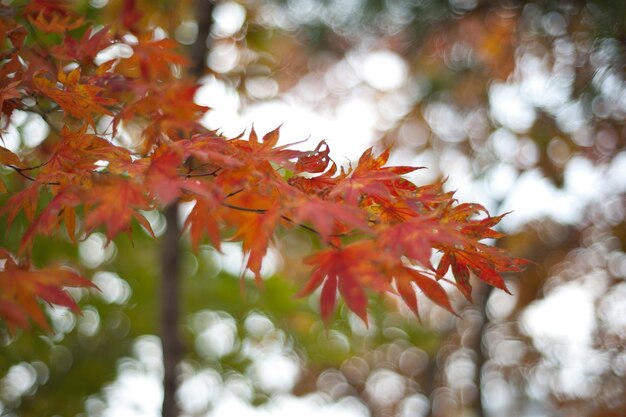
x=520, y=104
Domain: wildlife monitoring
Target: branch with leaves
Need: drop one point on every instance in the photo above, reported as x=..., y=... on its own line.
x=378, y=231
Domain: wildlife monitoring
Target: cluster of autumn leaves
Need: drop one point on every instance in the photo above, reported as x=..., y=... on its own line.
x=378, y=229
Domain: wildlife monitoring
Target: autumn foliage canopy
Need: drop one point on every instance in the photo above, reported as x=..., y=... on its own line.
x=125, y=138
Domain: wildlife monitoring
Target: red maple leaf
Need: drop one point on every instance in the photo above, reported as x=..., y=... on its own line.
x=85, y=50
x=349, y=269
x=22, y=288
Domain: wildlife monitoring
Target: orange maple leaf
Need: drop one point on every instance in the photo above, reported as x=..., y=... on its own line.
x=24, y=200
x=9, y=158
x=79, y=100
x=255, y=235
x=170, y=111
x=320, y=185
x=162, y=176
x=77, y=155
x=327, y=217
x=53, y=16
x=48, y=221
x=152, y=59
x=114, y=202
x=203, y=219
x=372, y=178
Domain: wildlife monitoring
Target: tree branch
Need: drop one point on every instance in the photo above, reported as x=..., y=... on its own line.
x=28, y=177
x=19, y=171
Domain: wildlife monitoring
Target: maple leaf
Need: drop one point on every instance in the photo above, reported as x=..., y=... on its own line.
x=79, y=100
x=48, y=220
x=114, y=202
x=9, y=95
x=78, y=154
x=171, y=113
x=213, y=150
x=372, y=178
x=349, y=269
x=316, y=161
x=382, y=210
x=130, y=15
x=85, y=50
x=203, y=219
x=22, y=288
x=52, y=16
x=24, y=200
x=261, y=157
x=327, y=217
x=166, y=183
x=152, y=59
x=486, y=262
x=9, y=158
x=416, y=237
x=483, y=229
x=255, y=235
x=9, y=29
x=460, y=271
x=467, y=255
x=406, y=277
x=162, y=176
x=258, y=169
x=462, y=218
x=320, y=185
x=432, y=196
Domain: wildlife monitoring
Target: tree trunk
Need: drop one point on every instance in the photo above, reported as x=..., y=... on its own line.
x=200, y=48
x=170, y=310
x=170, y=246
x=481, y=296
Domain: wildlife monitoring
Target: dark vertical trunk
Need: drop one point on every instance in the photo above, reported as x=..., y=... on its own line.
x=481, y=297
x=200, y=48
x=170, y=310
x=171, y=250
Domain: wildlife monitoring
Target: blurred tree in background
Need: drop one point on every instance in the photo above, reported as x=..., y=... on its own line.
x=521, y=104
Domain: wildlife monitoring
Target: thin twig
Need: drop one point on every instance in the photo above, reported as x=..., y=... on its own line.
x=249, y=210
x=28, y=177
x=206, y=174
x=234, y=193
x=34, y=167
x=19, y=171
